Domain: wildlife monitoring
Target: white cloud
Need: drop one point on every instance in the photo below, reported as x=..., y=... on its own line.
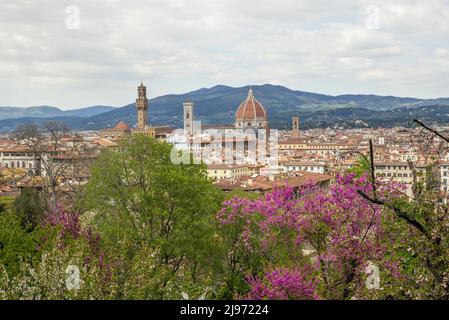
x=177, y=46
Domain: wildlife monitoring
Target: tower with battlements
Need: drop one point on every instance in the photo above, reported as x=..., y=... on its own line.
x=142, y=107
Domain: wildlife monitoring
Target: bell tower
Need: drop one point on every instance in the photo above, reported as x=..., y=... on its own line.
x=142, y=107
x=295, y=127
x=188, y=117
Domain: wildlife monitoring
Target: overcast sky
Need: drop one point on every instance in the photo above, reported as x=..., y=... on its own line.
x=387, y=47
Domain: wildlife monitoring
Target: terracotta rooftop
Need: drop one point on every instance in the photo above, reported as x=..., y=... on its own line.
x=122, y=126
x=264, y=183
x=105, y=143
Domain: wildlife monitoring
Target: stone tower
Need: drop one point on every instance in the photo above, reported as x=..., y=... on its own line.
x=295, y=127
x=142, y=107
x=188, y=117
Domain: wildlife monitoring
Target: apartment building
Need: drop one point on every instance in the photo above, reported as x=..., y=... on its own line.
x=307, y=166
x=17, y=157
x=228, y=171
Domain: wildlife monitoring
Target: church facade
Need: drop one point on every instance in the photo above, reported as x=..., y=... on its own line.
x=244, y=141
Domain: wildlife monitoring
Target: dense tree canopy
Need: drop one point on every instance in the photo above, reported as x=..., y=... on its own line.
x=143, y=205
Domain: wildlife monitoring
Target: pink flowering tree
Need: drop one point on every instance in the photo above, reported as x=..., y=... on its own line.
x=307, y=244
x=69, y=229
x=282, y=283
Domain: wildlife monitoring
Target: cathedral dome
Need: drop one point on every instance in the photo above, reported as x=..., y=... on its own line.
x=251, y=112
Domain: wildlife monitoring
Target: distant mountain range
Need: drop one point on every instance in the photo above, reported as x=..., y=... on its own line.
x=49, y=112
x=217, y=105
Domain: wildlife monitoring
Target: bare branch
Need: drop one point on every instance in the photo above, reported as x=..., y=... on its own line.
x=399, y=213
x=431, y=130
x=371, y=164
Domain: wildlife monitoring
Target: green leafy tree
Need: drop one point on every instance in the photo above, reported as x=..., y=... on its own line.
x=142, y=202
x=30, y=205
x=361, y=167
x=17, y=245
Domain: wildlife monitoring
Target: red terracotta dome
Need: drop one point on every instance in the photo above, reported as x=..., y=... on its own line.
x=122, y=126
x=250, y=110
